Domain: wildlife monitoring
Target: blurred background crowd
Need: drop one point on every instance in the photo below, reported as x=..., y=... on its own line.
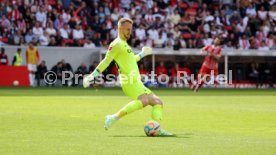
x=176, y=24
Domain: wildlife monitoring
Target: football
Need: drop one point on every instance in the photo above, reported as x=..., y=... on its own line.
x=152, y=128
x=15, y=83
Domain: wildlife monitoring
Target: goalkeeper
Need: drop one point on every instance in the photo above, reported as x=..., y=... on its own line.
x=130, y=79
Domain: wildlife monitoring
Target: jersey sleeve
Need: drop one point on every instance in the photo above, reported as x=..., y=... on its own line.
x=218, y=54
x=111, y=54
x=38, y=57
x=206, y=48
x=137, y=57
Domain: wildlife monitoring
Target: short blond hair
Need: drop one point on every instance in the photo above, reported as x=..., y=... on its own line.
x=124, y=20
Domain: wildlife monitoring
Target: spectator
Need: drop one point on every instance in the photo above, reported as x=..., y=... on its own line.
x=51, y=30
x=207, y=40
x=32, y=59
x=251, y=11
x=44, y=39
x=82, y=69
x=254, y=43
x=270, y=41
x=37, y=30
x=89, y=32
x=228, y=45
x=260, y=35
x=4, y=22
x=263, y=46
x=93, y=66
x=209, y=17
x=161, y=69
x=169, y=41
x=57, y=69
x=262, y=14
x=160, y=42
x=96, y=40
x=148, y=41
x=89, y=44
x=235, y=18
x=65, y=31
x=190, y=43
x=244, y=42
x=78, y=33
x=142, y=69
x=153, y=34
x=41, y=70
x=59, y=22
x=140, y=33
x=114, y=71
x=66, y=15
x=183, y=42
x=35, y=7
x=162, y=73
x=17, y=59
x=21, y=24
x=174, y=78
x=58, y=39
x=14, y=13
x=41, y=16
x=52, y=42
x=17, y=37
x=115, y=15
x=272, y=13
x=254, y=74
x=101, y=14
x=175, y=32
x=241, y=27
x=113, y=32
x=175, y=17
x=4, y=58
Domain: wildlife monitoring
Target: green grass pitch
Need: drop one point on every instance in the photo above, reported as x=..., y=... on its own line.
x=69, y=121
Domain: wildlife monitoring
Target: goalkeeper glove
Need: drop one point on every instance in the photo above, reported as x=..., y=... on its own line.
x=88, y=79
x=145, y=51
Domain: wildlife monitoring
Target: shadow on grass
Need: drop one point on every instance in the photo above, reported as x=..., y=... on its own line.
x=186, y=135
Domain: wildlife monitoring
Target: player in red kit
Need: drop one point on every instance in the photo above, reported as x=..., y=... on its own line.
x=210, y=64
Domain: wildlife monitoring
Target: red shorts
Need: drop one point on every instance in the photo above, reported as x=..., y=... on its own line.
x=204, y=70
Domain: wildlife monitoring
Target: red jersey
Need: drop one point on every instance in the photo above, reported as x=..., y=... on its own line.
x=4, y=59
x=209, y=61
x=161, y=70
x=181, y=70
x=143, y=72
x=114, y=70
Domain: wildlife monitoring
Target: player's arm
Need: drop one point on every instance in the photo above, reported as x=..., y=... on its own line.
x=13, y=60
x=38, y=57
x=216, y=56
x=145, y=51
x=109, y=57
x=205, y=49
x=27, y=55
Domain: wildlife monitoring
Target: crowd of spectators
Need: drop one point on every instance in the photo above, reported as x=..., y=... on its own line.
x=176, y=24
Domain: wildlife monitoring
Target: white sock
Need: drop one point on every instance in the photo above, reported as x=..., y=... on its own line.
x=31, y=79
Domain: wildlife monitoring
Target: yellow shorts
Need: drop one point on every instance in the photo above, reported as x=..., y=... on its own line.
x=135, y=90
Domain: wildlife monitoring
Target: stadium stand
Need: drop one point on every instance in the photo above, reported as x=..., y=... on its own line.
x=165, y=22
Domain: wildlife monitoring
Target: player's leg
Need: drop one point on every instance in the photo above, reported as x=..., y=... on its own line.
x=132, y=106
x=140, y=100
x=31, y=70
x=157, y=112
x=157, y=107
x=215, y=74
x=203, y=73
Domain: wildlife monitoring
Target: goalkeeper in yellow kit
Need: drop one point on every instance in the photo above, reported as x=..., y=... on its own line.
x=130, y=79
